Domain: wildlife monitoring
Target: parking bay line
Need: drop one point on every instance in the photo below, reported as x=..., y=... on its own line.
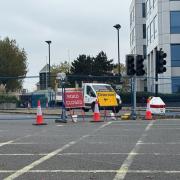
x=95, y=171
x=12, y=141
x=140, y=143
x=93, y=154
x=121, y=173
x=50, y=155
x=19, y=138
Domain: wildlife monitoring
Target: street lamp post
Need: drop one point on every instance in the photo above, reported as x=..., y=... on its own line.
x=118, y=26
x=49, y=43
x=49, y=79
x=62, y=78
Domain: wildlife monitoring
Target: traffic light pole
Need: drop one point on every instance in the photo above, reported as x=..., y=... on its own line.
x=156, y=85
x=133, y=93
x=156, y=74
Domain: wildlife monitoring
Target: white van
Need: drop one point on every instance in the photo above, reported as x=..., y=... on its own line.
x=90, y=95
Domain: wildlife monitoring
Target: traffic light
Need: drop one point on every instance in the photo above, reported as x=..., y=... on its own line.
x=160, y=61
x=130, y=65
x=140, y=65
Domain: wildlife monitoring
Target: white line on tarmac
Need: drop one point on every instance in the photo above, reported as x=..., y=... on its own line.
x=121, y=173
x=43, y=154
x=3, y=130
x=93, y=142
x=94, y=154
x=19, y=138
x=95, y=171
x=5, y=143
x=50, y=155
x=170, y=143
x=11, y=141
x=59, y=125
x=137, y=154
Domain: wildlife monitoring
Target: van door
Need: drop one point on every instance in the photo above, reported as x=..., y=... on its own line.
x=89, y=95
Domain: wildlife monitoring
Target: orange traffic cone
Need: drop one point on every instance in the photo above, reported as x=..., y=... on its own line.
x=148, y=111
x=96, y=115
x=39, y=117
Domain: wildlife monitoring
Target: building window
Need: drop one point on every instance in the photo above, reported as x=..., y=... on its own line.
x=147, y=7
x=155, y=26
x=175, y=22
x=143, y=10
x=132, y=16
x=144, y=31
x=133, y=36
x=148, y=35
x=176, y=84
x=144, y=51
x=151, y=31
x=175, y=55
x=150, y=5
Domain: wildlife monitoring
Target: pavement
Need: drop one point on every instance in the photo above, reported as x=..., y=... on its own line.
x=117, y=150
x=171, y=112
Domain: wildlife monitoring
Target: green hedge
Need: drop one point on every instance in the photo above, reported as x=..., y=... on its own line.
x=8, y=99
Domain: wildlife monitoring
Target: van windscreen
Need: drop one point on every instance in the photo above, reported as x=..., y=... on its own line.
x=102, y=88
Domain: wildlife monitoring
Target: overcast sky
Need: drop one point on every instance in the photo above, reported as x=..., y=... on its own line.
x=74, y=27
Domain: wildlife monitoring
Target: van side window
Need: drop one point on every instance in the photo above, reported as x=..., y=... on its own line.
x=90, y=92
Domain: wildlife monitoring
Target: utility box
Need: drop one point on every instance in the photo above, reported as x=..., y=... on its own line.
x=157, y=106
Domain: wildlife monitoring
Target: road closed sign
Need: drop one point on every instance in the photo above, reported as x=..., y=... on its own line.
x=74, y=99
x=107, y=99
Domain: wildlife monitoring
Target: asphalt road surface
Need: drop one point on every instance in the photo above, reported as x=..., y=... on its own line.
x=110, y=150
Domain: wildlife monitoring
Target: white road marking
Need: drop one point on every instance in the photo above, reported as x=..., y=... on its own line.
x=43, y=154
x=17, y=139
x=39, y=161
x=94, y=154
x=93, y=142
x=59, y=125
x=138, y=154
x=5, y=143
x=94, y=171
x=121, y=173
x=11, y=141
x=3, y=130
x=50, y=155
x=170, y=143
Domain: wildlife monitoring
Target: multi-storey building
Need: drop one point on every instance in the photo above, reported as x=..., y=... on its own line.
x=138, y=34
x=162, y=22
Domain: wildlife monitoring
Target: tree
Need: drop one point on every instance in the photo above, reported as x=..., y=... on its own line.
x=62, y=67
x=13, y=63
x=82, y=65
x=101, y=65
x=122, y=69
x=86, y=65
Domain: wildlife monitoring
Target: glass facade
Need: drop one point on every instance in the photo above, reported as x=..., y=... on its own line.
x=152, y=30
x=144, y=31
x=143, y=10
x=175, y=55
x=176, y=84
x=175, y=22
